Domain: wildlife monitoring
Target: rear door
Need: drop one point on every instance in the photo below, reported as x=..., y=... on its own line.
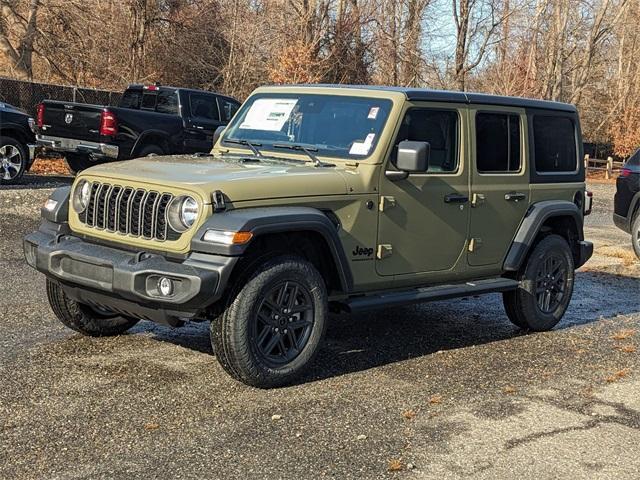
x=499, y=182
x=204, y=118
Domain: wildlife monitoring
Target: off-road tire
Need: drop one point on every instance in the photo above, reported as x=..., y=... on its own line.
x=84, y=319
x=521, y=305
x=635, y=234
x=20, y=158
x=150, y=150
x=233, y=334
x=78, y=162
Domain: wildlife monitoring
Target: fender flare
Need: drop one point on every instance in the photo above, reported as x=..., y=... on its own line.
x=265, y=220
x=144, y=135
x=533, y=221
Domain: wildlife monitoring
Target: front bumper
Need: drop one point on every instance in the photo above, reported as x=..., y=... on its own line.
x=60, y=144
x=127, y=282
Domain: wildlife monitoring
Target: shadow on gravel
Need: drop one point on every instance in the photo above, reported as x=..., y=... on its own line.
x=365, y=341
x=39, y=181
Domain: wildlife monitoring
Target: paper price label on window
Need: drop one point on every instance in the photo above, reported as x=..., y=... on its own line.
x=373, y=113
x=268, y=114
x=362, y=148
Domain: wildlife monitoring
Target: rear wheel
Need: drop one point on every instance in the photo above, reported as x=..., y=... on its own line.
x=84, y=319
x=546, y=286
x=150, y=150
x=13, y=160
x=272, y=329
x=635, y=234
x=78, y=162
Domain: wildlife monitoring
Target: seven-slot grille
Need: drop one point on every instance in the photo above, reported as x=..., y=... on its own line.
x=126, y=210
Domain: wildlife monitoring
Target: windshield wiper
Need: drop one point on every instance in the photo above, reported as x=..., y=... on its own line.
x=252, y=145
x=308, y=150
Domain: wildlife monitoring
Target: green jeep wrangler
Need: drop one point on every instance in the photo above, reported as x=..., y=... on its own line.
x=318, y=199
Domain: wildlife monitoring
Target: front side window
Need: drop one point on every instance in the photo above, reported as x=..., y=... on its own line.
x=497, y=143
x=437, y=127
x=554, y=144
x=228, y=109
x=331, y=125
x=204, y=106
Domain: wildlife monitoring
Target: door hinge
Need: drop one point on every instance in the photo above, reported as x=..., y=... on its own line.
x=475, y=244
x=477, y=199
x=384, y=251
x=386, y=202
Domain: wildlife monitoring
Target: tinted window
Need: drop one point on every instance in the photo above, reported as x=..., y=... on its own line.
x=554, y=144
x=634, y=159
x=131, y=99
x=227, y=109
x=167, y=103
x=204, y=106
x=440, y=129
x=497, y=142
x=148, y=101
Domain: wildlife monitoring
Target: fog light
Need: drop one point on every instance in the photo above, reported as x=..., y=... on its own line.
x=165, y=286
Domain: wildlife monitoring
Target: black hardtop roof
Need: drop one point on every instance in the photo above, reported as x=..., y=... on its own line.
x=193, y=90
x=423, y=94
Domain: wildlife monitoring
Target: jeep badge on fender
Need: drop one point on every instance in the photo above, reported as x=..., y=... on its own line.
x=263, y=237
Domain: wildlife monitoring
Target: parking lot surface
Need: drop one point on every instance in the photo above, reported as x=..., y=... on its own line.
x=441, y=390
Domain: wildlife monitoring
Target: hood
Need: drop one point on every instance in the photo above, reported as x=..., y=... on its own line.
x=239, y=181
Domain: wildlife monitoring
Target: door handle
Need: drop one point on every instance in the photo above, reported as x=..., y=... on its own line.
x=514, y=196
x=456, y=198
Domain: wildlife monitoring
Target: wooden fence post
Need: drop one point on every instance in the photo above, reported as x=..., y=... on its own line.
x=586, y=162
x=609, y=173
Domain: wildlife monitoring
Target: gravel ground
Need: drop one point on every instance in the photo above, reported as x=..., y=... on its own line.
x=447, y=389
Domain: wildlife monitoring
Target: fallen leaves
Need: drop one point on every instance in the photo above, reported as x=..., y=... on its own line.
x=629, y=348
x=623, y=334
x=409, y=414
x=618, y=375
x=435, y=399
x=395, y=465
x=151, y=426
x=509, y=390
x=49, y=166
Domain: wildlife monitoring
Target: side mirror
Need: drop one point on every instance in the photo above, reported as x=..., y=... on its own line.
x=413, y=157
x=217, y=133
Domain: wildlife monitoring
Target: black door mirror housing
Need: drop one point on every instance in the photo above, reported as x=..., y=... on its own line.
x=413, y=157
x=217, y=133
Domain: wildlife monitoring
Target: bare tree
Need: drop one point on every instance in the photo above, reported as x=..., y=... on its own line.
x=24, y=27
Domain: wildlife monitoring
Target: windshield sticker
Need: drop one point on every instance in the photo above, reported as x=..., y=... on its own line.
x=362, y=148
x=373, y=113
x=268, y=114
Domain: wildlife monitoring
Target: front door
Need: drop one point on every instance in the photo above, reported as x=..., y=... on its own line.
x=202, y=122
x=499, y=182
x=424, y=218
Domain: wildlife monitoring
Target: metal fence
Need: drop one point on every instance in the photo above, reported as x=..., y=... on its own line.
x=27, y=95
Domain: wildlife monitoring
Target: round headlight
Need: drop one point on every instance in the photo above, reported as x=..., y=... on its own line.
x=183, y=213
x=81, y=196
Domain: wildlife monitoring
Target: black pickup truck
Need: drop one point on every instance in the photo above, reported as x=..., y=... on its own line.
x=150, y=119
x=17, y=143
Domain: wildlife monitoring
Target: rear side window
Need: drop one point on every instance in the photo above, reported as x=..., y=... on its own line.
x=167, y=102
x=440, y=129
x=554, y=144
x=227, y=109
x=204, y=106
x=497, y=143
x=634, y=159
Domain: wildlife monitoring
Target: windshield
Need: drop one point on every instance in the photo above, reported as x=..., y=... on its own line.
x=330, y=125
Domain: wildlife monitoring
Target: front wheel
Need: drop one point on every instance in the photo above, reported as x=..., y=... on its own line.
x=546, y=286
x=84, y=319
x=78, y=162
x=272, y=329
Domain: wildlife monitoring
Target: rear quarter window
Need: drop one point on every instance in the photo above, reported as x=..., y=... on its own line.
x=554, y=144
x=634, y=160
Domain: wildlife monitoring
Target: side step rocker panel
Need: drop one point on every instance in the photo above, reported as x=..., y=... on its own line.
x=427, y=294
